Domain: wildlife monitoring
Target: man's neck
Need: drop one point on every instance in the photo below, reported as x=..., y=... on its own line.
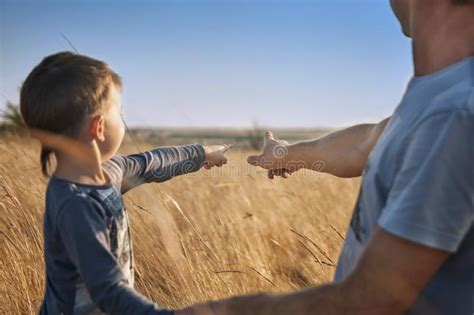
x=442, y=33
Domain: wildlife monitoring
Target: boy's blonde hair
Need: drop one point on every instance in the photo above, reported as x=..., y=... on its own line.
x=61, y=92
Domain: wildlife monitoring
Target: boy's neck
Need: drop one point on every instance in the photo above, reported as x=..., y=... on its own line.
x=84, y=171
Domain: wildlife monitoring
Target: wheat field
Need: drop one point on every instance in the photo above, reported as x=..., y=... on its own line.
x=200, y=236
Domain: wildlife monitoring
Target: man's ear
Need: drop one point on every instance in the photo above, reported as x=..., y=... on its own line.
x=97, y=128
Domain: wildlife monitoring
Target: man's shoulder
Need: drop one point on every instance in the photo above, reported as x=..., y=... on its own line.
x=456, y=101
x=451, y=108
x=459, y=119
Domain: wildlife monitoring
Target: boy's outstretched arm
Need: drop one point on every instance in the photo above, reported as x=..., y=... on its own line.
x=163, y=163
x=343, y=153
x=81, y=228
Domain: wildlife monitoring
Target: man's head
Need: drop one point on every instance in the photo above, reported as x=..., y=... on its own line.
x=76, y=96
x=403, y=11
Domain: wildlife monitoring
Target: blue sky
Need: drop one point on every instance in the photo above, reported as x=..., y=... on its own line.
x=223, y=63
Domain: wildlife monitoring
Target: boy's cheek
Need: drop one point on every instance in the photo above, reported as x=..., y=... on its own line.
x=122, y=136
x=114, y=134
x=122, y=130
x=116, y=129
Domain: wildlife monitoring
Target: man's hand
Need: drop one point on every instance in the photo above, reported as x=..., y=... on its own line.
x=261, y=304
x=274, y=158
x=215, y=155
x=198, y=309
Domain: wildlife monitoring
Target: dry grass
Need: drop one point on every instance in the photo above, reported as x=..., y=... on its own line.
x=196, y=237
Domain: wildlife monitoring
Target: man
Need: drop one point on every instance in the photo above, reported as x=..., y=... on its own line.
x=410, y=245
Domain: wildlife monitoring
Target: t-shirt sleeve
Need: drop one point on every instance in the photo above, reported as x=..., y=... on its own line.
x=81, y=228
x=158, y=165
x=431, y=199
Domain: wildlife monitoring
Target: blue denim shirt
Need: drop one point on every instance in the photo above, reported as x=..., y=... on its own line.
x=418, y=184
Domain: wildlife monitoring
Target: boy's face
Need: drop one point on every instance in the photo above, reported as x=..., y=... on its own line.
x=114, y=129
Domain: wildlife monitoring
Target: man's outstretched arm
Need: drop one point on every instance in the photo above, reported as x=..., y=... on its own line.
x=342, y=153
x=390, y=275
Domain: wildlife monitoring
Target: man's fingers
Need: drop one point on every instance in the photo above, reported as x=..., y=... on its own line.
x=255, y=160
x=269, y=135
x=271, y=174
x=282, y=172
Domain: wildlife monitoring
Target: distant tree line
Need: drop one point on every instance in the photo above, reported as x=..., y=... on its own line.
x=10, y=119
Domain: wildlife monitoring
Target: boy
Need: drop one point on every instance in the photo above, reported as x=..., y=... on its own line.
x=72, y=104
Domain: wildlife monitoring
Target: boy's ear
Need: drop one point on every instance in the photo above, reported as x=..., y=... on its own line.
x=97, y=128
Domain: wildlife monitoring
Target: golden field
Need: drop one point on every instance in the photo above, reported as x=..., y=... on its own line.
x=200, y=236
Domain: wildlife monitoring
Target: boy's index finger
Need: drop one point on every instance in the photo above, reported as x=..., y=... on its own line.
x=227, y=147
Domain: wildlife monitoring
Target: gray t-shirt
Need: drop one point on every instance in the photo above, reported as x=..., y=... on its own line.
x=88, y=250
x=419, y=185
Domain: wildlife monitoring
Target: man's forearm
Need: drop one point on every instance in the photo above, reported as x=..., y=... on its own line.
x=342, y=153
x=324, y=300
x=330, y=299
x=334, y=299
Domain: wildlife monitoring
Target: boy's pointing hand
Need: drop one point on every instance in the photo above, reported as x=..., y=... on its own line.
x=215, y=155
